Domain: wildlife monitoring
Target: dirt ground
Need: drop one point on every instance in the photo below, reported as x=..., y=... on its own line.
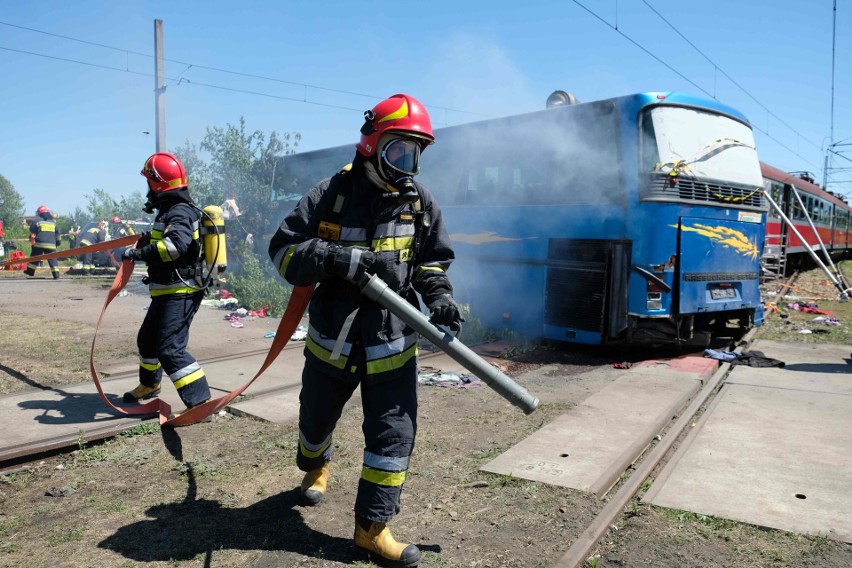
x=225, y=493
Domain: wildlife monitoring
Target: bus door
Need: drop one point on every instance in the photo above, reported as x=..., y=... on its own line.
x=586, y=290
x=719, y=263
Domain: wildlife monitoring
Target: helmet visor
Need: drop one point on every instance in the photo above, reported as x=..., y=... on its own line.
x=402, y=155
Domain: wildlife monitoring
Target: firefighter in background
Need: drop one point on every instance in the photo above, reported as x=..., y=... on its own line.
x=120, y=229
x=73, y=234
x=91, y=234
x=372, y=217
x=44, y=236
x=172, y=253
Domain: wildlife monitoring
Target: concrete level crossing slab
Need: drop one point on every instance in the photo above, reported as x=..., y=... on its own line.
x=40, y=420
x=774, y=448
x=589, y=447
x=808, y=366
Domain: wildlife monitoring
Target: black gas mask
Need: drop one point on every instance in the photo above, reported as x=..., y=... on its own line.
x=398, y=163
x=149, y=204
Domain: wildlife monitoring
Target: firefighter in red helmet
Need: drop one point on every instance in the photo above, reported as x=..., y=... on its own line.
x=120, y=229
x=44, y=235
x=370, y=218
x=172, y=253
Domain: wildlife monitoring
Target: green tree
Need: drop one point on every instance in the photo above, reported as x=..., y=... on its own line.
x=130, y=206
x=244, y=167
x=11, y=205
x=201, y=185
x=101, y=205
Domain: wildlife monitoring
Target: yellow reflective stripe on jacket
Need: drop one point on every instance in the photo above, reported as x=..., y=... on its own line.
x=285, y=262
x=391, y=363
x=385, y=478
x=163, y=251
x=393, y=243
x=175, y=290
x=324, y=355
x=425, y=267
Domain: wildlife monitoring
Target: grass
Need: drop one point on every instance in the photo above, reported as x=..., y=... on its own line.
x=71, y=535
x=786, y=323
x=144, y=429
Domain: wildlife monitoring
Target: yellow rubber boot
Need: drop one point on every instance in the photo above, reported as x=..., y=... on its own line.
x=141, y=392
x=314, y=485
x=375, y=540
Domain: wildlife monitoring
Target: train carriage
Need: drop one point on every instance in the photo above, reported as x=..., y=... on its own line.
x=830, y=214
x=636, y=219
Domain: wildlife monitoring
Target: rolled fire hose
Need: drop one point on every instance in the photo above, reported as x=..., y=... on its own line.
x=378, y=291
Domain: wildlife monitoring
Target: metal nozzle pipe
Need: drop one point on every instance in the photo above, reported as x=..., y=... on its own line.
x=378, y=291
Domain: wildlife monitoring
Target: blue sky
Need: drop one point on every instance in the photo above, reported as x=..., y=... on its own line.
x=67, y=128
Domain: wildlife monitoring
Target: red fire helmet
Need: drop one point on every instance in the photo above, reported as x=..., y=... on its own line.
x=42, y=209
x=164, y=172
x=115, y=221
x=399, y=113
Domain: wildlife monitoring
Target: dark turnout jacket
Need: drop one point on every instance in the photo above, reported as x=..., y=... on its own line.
x=377, y=342
x=174, y=252
x=46, y=233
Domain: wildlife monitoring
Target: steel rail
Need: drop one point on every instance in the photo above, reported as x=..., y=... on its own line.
x=582, y=547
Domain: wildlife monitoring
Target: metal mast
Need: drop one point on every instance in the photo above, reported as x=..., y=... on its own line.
x=159, y=86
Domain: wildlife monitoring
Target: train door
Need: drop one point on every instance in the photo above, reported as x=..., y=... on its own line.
x=586, y=290
x=719, y=263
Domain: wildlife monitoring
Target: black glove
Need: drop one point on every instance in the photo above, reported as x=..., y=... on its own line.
x=144, y=240
x=445, y=311
x=351, y=263
x=131, y=254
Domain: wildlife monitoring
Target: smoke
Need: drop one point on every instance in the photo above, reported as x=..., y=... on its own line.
x=477, y=75
x=564, y=155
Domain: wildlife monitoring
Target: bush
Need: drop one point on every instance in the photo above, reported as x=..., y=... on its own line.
x=258, y=285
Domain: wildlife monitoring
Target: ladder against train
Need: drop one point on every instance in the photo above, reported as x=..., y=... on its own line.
x=773, y=263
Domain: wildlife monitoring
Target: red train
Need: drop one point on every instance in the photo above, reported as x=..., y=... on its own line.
x=830, y=213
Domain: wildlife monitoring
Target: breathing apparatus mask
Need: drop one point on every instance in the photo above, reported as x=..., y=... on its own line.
x=149, y=204
x=397, y=162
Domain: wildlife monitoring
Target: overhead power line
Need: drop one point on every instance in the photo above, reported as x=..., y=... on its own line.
x=699, y=87
x=229, y=71
x=727, y=76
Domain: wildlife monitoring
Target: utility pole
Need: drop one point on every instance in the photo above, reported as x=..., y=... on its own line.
x=826, y=167
x=159, y=86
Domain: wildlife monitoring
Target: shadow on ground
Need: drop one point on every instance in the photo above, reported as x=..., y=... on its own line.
x=185, y=530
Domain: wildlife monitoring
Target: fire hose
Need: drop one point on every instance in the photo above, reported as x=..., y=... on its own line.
x=378, y=291
x=104, y=246
x=373, y=288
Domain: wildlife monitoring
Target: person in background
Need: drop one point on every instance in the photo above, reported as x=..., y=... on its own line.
x=91, y=234
x=44, y=236
x=172, y=253
x=372, y=217
x=73, y=233
x=120, y=229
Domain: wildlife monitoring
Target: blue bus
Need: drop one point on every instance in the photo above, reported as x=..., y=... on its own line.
x=631, y=220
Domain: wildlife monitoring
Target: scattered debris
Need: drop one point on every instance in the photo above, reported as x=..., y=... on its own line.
x=64, y=491
x=437, y=378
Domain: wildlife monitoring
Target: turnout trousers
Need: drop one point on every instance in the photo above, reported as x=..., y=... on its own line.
x=54, y=266
x=389, y=428
x=162, y=341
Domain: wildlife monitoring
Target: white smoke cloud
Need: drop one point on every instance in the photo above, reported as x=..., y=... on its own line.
x=476, y=74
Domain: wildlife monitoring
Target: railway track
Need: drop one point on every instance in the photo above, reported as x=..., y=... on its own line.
x=653, y=459
x=582, y=547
